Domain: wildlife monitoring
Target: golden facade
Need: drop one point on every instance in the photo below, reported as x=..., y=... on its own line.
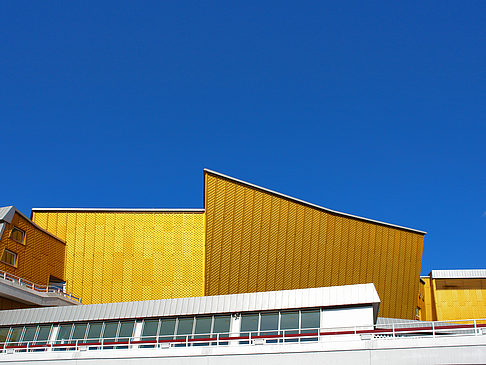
x=115, y=256
x=39, y=255
x=248, y=239
x=257, y=240
x=454, y=298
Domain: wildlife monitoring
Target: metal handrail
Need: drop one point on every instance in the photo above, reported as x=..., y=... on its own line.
x=36, y=287
x=275, y=337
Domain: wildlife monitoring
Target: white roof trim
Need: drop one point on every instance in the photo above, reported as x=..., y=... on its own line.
x=459, y=274
x=311, y=204
x=182, y=210
x=349, y=295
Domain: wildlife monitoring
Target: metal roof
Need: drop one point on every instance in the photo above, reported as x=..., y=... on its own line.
x=311, y=204
x=359, y=294
x=458, y=274
x=7, y=214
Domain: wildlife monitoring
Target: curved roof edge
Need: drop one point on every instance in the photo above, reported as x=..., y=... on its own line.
x=311, y=204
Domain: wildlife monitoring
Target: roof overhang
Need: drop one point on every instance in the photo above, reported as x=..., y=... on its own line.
x=338, y=296
x=458, y=274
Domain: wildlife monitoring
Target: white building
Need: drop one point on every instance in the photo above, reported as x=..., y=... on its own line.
x=318, y=325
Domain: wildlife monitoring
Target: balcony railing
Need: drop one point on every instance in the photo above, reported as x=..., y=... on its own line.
x=473, y=327
x=36, y=287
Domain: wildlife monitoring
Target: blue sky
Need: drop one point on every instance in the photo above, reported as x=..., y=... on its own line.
x=373, y=109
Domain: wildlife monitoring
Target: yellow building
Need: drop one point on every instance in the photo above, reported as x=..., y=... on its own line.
x=116, y=255
x=247, y=239
x=260, y=240
x=454, y=294
x=29, y=254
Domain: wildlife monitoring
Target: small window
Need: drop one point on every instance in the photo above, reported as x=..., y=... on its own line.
x=17, y=235
x=9, y=257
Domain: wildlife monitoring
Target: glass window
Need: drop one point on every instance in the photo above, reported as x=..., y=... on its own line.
x=79, y=331
x=249, y=325
x=203, y=326
x=222, y=325
x=268, y=322
x=203, y=329
x=29, y=334
x=184, y=327
x=15, y=335
x=126, y=330
x=311, y=319
x=43, y=335
x=269, y=325
x=150, y=327
x=64, y=333
x=9, y=257
x=110, y=331
x=94, y=332
x=167, y=327
x=17, y=235
x=289, y=320
x=3, y=334
x=289, y=324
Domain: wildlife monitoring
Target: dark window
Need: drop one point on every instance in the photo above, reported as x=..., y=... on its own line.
x=17, y=235
x=9, y=257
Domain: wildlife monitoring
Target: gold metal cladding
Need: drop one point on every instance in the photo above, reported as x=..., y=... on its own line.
x=260, y=241
x=114, y=256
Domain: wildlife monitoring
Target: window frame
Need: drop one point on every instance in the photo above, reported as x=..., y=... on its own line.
x=16, y=256
x=22, y=240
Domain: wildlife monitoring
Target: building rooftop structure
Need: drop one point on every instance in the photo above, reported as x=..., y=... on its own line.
x=254, y=267
x=31, y=264
x=314, y=325
x=246, y=239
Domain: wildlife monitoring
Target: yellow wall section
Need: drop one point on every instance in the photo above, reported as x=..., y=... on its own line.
x=258, y=241
x=38, y=257
x=130, y=256
x=451, y=299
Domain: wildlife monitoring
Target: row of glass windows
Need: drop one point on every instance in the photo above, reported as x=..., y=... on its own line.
x=262, y=323
x=179, y=328
x=33, y=334
x=273, y=323
x=93, y=332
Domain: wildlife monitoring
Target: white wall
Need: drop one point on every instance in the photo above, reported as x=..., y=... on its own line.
x=406, y=351
x=341, y=318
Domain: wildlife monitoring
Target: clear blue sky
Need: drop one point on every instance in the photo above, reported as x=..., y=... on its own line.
x=373, y=109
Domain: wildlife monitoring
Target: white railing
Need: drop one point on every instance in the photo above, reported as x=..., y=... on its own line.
x=473, y=327
x=36, y=287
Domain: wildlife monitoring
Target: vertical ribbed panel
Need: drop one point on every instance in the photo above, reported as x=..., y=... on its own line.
x=259, y=241
x=129, y=256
